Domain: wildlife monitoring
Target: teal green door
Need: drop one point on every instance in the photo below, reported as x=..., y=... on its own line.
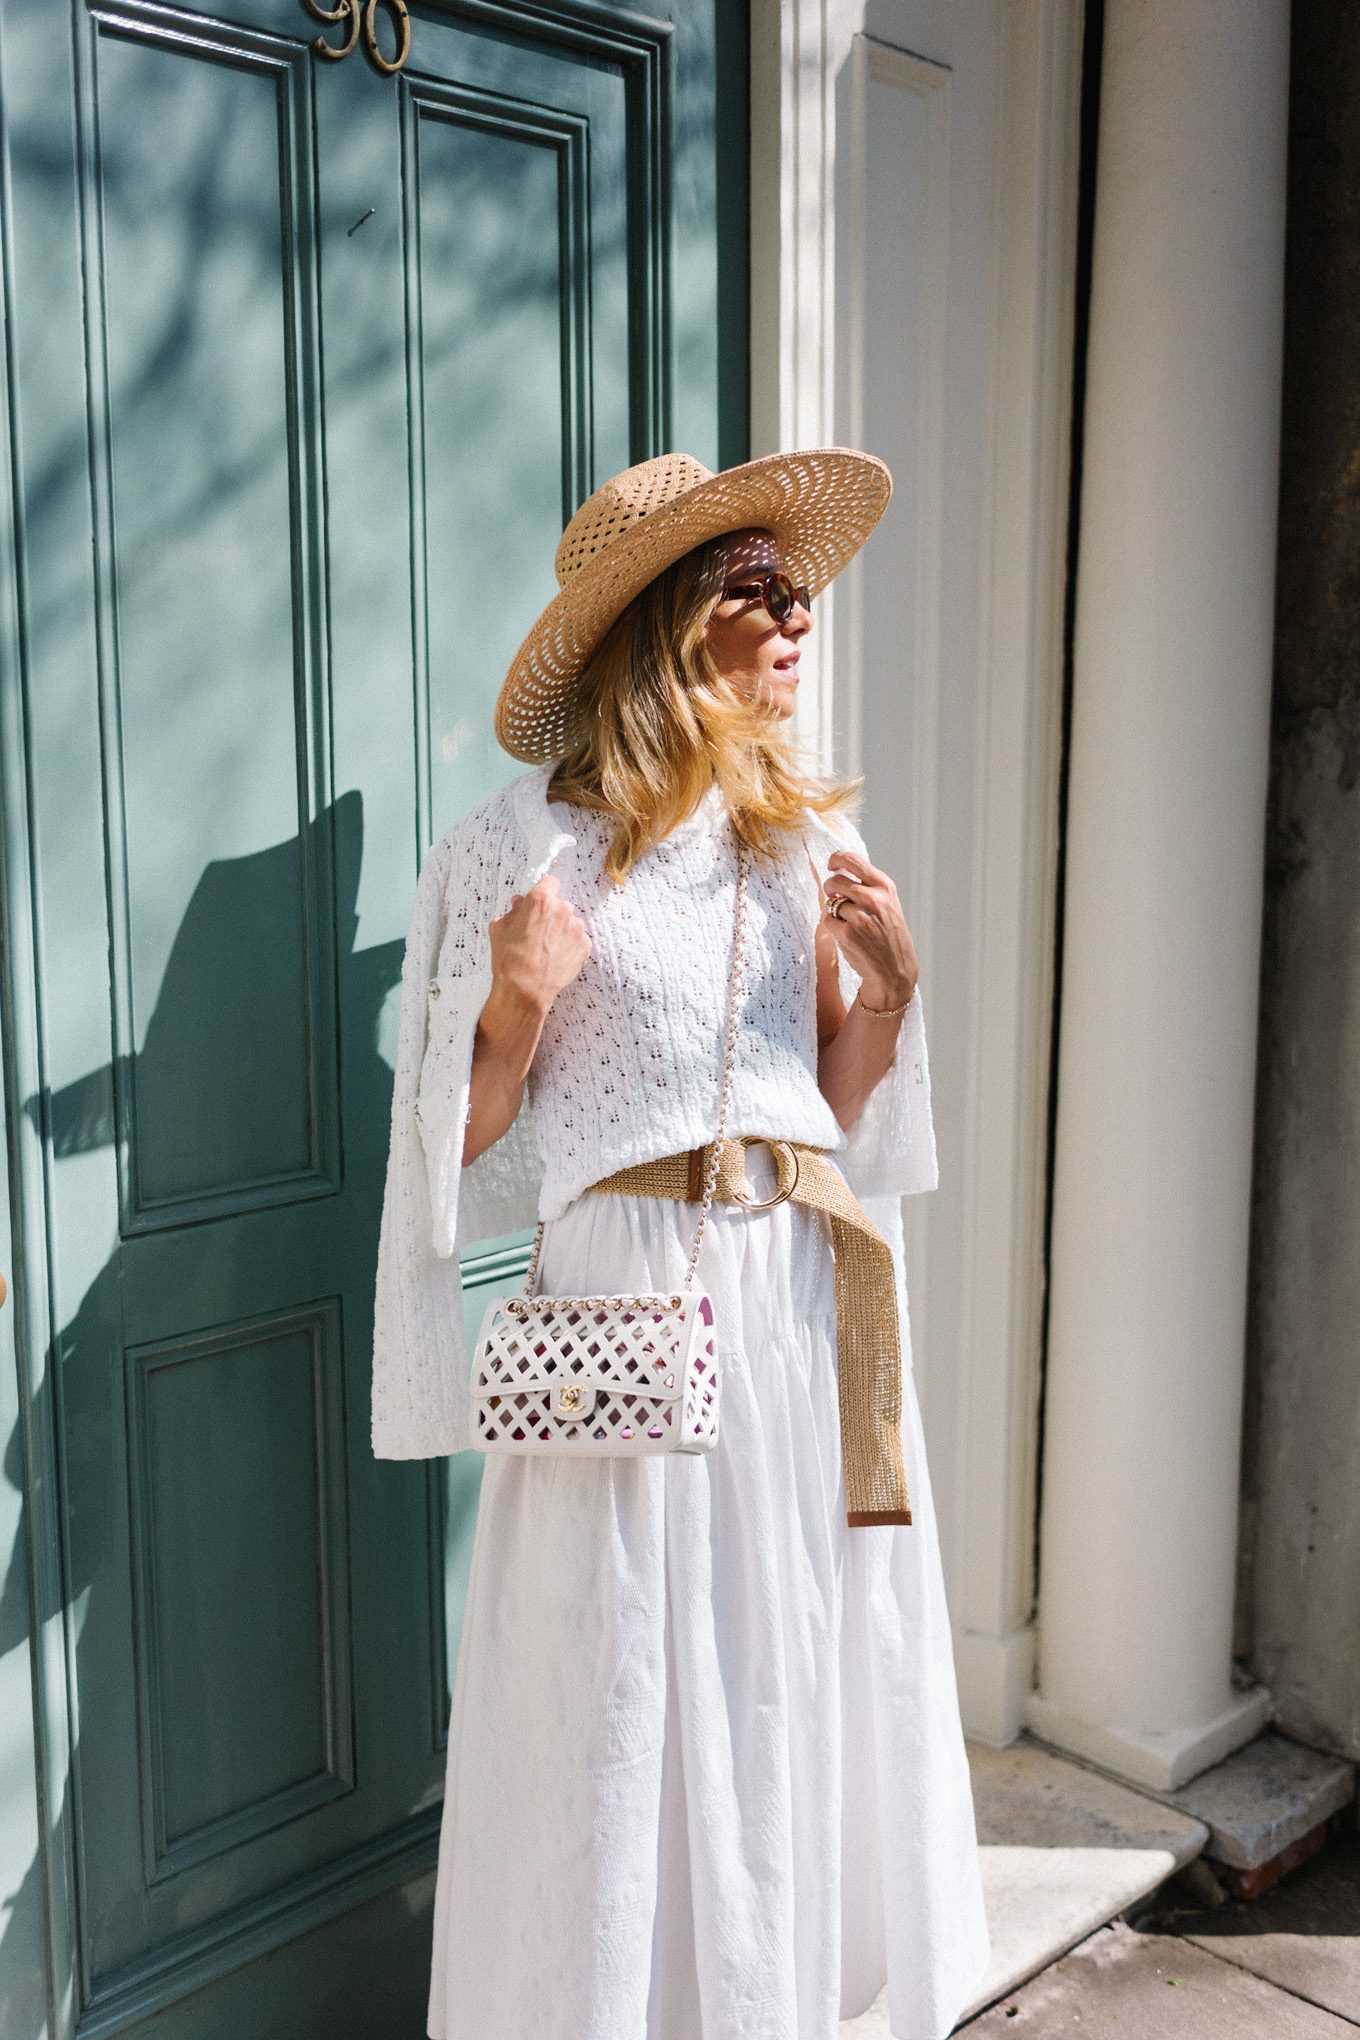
x=309, y=361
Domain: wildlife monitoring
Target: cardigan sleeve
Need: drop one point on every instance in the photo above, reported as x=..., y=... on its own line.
x=890, y=1147
x=498, y=1193
x=432, y=1205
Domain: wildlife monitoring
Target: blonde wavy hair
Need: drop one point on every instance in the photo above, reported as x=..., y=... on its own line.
x=655, y=723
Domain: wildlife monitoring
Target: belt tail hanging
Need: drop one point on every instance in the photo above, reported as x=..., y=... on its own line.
x=869, y=1349
x=868, y=1342
x=870, y=1379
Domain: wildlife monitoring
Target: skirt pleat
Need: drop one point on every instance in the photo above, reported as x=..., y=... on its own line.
x=706, y=1776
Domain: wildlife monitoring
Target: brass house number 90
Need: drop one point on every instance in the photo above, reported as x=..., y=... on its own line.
x=361, y=17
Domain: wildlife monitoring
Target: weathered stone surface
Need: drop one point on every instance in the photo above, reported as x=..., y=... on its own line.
x=1030, y=1796
x=1153, y=1987
x=1263, y=1797
x=1299, y=1613
x=1286, y=1965
x=1063, y=1849
x=1303, y=1936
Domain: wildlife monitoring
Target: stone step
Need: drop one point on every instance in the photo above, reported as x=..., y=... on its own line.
x=1264, y=1799
x=1064, y=1850
x=1149, y=1986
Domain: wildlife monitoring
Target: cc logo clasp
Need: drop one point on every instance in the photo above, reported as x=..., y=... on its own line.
x=572, y=1399
x=786, y=1162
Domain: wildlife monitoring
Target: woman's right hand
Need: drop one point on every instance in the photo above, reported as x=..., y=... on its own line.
x=538, y=945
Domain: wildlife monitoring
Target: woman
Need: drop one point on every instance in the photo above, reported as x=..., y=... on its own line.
x=706, y=1777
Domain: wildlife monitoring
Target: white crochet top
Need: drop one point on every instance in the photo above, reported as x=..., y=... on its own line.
x=631, y=1054
x=628, y=1066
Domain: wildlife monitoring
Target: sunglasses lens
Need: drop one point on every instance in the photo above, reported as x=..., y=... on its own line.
x=776, y=591
x=779, y=596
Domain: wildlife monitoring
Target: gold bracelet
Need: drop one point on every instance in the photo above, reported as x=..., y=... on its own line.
x=885, y=1012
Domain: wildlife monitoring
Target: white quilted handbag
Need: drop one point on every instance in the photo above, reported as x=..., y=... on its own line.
x=623, y=1374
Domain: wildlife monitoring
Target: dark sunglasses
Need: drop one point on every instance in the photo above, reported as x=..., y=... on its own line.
x=775, y=590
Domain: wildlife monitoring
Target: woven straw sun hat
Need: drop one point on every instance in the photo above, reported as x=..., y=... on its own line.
x=820, y=505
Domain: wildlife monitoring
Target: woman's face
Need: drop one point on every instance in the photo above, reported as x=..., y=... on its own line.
x=757, y=655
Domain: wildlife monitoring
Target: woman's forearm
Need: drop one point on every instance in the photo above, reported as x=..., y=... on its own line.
x=508, y=1031
x=858, y=1057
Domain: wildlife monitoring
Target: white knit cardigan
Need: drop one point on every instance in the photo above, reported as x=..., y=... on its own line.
x=433, y=1207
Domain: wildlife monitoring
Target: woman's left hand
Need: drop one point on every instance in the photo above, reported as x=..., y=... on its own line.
x=871, y=929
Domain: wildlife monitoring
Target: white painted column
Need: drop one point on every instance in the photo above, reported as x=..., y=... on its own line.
x=1158, y=1019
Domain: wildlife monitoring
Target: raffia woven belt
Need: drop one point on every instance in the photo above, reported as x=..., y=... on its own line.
x=870, y=1356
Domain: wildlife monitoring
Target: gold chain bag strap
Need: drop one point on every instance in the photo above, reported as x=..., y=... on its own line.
x=622, y=1374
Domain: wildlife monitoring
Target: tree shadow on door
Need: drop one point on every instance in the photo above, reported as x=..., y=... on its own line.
x=195, y=1595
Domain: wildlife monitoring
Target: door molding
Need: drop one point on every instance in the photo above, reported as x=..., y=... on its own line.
x=986, y=1293
x=37, y=1519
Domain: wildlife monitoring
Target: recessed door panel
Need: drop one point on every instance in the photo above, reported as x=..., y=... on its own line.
x=206, y=385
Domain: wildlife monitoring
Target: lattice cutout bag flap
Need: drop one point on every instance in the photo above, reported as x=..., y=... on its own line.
x=609, y=1374
x=597, y=1374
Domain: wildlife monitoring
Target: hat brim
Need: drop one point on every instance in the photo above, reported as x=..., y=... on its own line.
x=820, y=505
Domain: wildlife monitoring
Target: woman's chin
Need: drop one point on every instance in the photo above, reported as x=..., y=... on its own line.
x=775, y=696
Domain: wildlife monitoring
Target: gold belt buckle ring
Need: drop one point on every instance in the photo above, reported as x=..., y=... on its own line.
x=787, y=1177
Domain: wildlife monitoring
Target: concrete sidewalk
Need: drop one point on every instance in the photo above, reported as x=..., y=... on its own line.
x=1063, y=1851
x=1098, y=1903
x=1285, y=1966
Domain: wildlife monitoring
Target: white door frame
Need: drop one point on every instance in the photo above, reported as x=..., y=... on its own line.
x=983, y=1455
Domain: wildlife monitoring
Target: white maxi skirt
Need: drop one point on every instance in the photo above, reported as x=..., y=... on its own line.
x=706, y=1777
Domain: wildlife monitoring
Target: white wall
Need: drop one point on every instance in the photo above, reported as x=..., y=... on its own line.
x=913, y=207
